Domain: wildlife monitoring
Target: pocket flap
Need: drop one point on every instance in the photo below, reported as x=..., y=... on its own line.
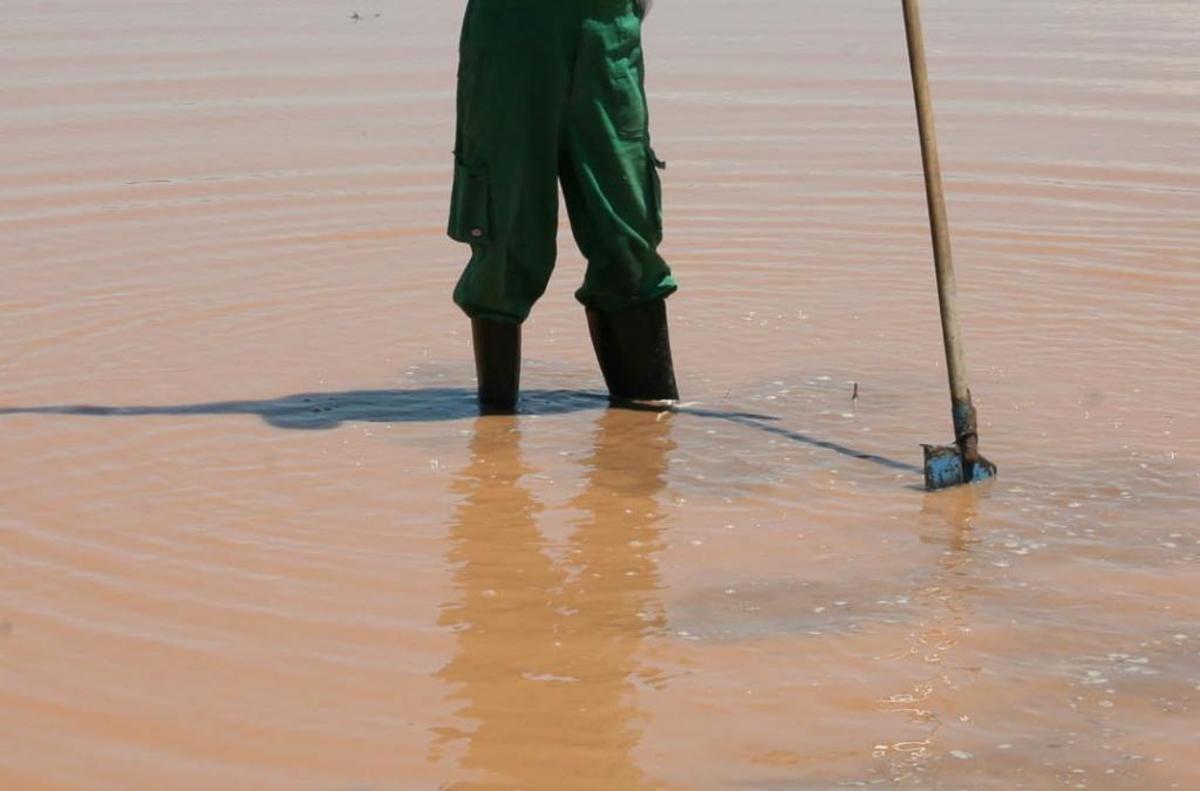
x=469, y=205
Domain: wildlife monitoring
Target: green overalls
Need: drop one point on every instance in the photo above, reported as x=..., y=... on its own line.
x=550, y=91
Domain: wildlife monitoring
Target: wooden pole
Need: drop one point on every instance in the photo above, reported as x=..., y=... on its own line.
x=965, y=431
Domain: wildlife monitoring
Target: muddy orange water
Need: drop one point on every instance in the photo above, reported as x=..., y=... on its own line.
x=253, y=536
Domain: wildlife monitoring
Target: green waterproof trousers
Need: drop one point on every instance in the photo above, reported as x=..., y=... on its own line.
x=550, y=91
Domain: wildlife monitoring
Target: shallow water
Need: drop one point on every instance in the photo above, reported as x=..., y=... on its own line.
x=253, y=537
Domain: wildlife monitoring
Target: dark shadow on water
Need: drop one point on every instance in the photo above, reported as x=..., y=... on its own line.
x=322, y=411
x=757, y=421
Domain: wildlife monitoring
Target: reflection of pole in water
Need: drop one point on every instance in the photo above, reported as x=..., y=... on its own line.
x=946, y=592
x=546, y=653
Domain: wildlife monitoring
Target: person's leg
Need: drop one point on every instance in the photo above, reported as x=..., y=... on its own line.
x=497, y=364
x=610, y=179
x=634, y=351
x=512, y=86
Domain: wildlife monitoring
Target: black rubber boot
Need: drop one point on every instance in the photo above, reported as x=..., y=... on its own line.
x=497, y=365
x=634, y=350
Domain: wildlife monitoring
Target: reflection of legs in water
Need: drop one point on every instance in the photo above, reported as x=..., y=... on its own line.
x=615, y=577
x=501, y=612
x=543, y=663
x=613, y=587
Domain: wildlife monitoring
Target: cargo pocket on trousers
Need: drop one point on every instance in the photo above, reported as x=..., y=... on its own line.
x=630, y=116
x=470, y=209
x=656, y=199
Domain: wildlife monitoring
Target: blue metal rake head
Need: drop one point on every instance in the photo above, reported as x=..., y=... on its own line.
x=947, y=466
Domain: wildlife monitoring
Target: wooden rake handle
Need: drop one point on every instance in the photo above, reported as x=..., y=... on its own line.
x=965, y=431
